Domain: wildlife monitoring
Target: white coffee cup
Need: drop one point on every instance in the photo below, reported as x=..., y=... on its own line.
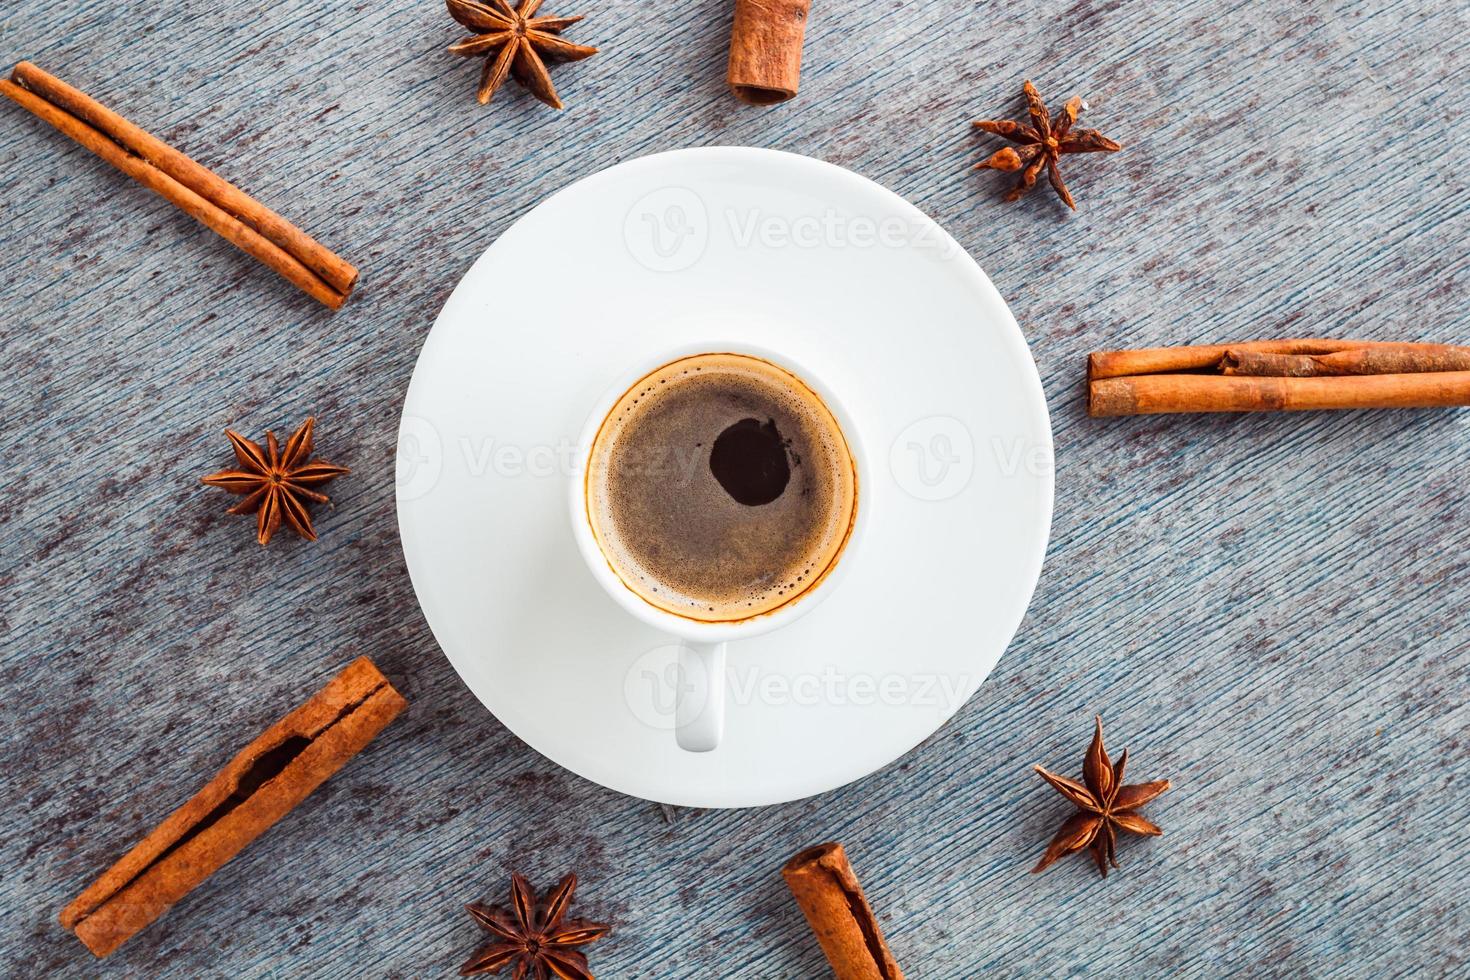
x=699, y=714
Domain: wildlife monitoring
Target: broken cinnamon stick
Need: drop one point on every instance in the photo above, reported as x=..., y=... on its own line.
x=1278, y=375
x=1161, y=360
x=194, y=189
x=830, y=897
x=258, y=787
x=765, y=49
x=1387, y=359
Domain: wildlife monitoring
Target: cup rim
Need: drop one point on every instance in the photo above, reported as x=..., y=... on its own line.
x=671, y=623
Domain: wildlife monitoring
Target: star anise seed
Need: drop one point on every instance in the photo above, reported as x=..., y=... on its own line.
x=515, y=42
x=1042, y=143
x=276, y=482
x=1104, y=807
x=536, y=937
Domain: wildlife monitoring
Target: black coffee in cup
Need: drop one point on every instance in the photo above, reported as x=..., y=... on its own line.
x=720, y=487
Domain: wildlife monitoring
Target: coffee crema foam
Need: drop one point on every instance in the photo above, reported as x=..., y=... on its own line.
x=668, y=527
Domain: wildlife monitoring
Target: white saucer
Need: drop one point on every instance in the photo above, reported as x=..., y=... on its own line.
x=787, y=253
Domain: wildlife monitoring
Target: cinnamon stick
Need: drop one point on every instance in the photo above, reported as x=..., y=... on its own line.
x=1160, y=360
x=1387, y=359
x=1151, y=394
x=258, y=787
x=1278, y=375
x=830, y=897
x=765, y=49
x=194, y=189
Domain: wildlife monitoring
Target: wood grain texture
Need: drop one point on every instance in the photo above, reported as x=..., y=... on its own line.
x=1268, y=610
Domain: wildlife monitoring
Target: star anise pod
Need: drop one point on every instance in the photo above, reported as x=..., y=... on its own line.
x=536, y=937
x=1042, y=143
x=1104, y=806
x=514, y=41
x=276, y=482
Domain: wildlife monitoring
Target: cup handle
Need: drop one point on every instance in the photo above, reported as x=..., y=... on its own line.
x=699, y=712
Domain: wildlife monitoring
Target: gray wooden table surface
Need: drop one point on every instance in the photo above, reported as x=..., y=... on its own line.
x=1268, y=610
